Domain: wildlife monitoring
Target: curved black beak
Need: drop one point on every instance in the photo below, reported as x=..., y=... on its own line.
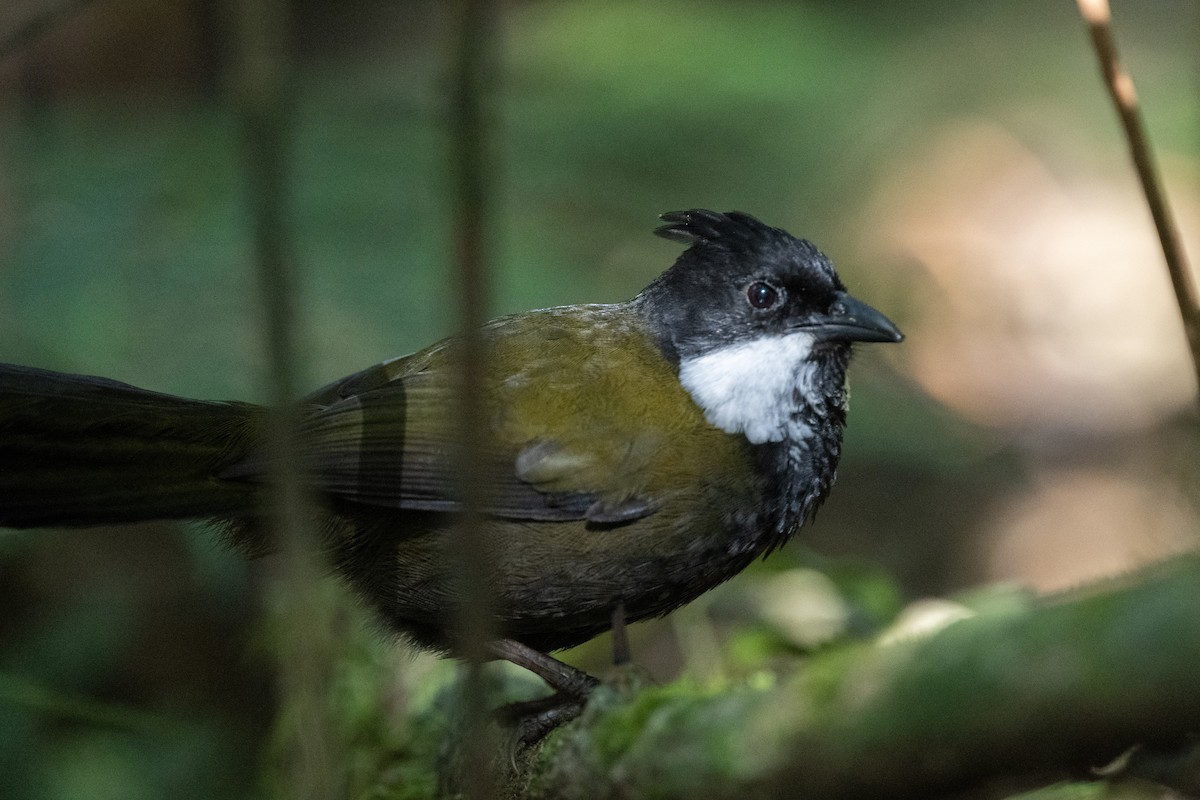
x=850, y=319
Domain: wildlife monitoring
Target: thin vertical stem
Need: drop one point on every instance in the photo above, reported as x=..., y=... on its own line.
x=264, y=94
x=473, y=65
x=1120, y=87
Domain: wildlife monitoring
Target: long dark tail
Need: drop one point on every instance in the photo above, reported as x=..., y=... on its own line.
x=77, y=450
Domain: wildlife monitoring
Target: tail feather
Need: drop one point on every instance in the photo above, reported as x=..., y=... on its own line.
x=80, y=450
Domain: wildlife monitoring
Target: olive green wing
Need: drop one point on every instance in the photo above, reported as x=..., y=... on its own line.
x=393, y=446
x=576, y=431
x=559, y=449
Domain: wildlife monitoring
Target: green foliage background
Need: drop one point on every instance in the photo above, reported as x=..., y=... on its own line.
x=131, y=663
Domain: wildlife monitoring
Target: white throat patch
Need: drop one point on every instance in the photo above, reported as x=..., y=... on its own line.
x=748, y=387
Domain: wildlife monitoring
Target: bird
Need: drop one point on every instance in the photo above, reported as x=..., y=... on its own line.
x=638, y=453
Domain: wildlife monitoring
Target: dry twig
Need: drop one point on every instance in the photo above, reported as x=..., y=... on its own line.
x=1120, y=87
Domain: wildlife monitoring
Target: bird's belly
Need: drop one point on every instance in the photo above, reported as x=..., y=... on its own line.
x=560, y=588
x=556, y=583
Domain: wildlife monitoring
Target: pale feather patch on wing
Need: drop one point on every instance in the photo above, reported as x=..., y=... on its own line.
x=545, y=462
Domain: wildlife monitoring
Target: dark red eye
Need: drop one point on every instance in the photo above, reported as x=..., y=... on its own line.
x=762, y=295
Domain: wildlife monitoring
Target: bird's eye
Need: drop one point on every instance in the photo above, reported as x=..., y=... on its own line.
x=762, y=295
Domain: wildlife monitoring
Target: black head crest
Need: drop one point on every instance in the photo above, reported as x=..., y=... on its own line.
x=732, y=230
x=702, y=301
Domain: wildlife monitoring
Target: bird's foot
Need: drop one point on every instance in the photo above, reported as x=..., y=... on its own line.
x=531, y=720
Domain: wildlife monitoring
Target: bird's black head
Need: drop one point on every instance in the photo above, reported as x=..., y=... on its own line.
x=759, y=326
x=742, y=280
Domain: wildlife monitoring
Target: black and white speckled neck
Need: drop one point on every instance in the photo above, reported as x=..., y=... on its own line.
x=800, y=470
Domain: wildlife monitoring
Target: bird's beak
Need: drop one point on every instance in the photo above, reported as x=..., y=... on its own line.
x=851, y=320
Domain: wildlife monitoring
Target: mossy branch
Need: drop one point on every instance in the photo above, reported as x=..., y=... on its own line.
x=1058, y=686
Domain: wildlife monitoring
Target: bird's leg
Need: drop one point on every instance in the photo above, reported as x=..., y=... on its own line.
x=563, y=678
x=620, y=637
x=533, y=719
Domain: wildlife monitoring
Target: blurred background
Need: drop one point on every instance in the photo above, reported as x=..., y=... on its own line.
x=960, y=162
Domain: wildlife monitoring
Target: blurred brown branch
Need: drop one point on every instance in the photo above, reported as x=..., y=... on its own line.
x=304, y=647
x=38, y=23
x=469, y=171
x=1120, y=87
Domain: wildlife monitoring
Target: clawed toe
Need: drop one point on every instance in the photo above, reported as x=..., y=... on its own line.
x=531, y=720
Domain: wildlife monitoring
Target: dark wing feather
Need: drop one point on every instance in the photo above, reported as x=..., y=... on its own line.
x=367, y=449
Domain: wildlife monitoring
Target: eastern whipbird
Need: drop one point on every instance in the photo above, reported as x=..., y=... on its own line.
x=641, y=452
